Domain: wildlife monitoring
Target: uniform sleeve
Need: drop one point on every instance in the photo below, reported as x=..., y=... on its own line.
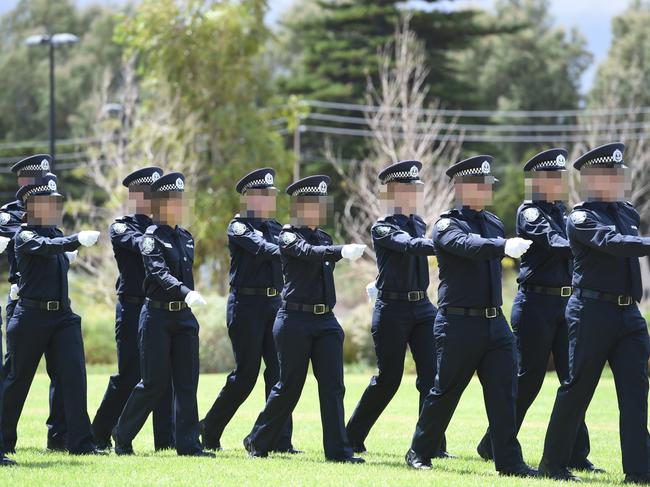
x=125, y=236
x=293, y=245
x=254, y=243
x=542, y=233
x=400, y=241
x=457, y=241
x=595, y=234
x=28, y=242
x=156, y=267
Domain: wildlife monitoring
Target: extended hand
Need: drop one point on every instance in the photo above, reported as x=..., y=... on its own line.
x=88, y=238
x=352, y=251
x=516, y=247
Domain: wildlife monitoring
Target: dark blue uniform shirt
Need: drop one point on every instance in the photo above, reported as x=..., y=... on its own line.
x=11, y=218
x=469, y=246
x=42, y=263
x=126, y=234
x=254, y=253
x=549, y=261
x=402, y=251
x=168, y=256
x=606, y=244
x=308, y=260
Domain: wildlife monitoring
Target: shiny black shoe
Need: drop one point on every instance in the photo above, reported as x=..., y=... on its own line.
x=483, y=452
x=252, y=452
x=166, y=447
x=414, y=461
x=358, y=447
x=350, y=460
x=637, y=478
x=208, y=443
x=56, y=444
x=291, y=451
x=94, y=451
x=561, y=473
x=445, y=455
x=104, y=445
x=201, y=453
x=522, y=470
x=587, y=467
x=7, y=462
x=121, y=449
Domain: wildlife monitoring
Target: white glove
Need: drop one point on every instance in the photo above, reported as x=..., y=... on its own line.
x=371, y=291
x=516, y=247
x=88, y=238
x=193, y=298
x=352, y=251
x=72, y=256
x=13, y=292
x=4, y=241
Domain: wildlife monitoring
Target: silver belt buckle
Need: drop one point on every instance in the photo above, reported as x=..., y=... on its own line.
x=565, y=291
x=416, y=295
x=491, y=312
x=624, y=300
x=174, y=306
x=52, y=306
x=271, y=291
x=319, y=309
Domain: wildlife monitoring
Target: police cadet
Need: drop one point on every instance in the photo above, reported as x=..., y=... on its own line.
x=169, y=332
x=42, y=321
x=544, y=288
x=604, y=321
x=305, y=327
x=403, y=314
x=126, y=233
x=470, y=330
x=30, y=170
x=255, y=284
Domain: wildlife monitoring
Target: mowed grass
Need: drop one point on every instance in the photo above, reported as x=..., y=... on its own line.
x=387, y=444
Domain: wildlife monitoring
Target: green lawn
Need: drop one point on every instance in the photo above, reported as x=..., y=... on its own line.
x=387, y=444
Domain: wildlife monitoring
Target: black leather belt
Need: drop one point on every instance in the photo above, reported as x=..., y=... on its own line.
x=486, y=312
x=564, y=291
x=44, y=305
x=619, y=299
x=167, y=305
x=269, y=292
x=317, y=309
x=131, y=299
x=407, y=296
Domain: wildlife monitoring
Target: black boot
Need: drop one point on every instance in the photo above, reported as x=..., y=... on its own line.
x=556, y=473
x=209, y=443
x=586, y=466
x=350, y=460
x=414, y=461
x=252, y=452
x=6, y=461
x=200, y=453
x=358, y=447
x=121, y=448
x=522, y=470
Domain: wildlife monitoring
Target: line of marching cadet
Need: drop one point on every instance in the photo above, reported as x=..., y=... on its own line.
x=579, y=285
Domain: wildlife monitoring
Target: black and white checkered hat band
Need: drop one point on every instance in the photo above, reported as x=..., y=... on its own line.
x=33, y=168
x=142, y=180
x=399, y=175
x=474, y=171
x=603, y=160
x=169, y=187
x=542, y=164
x=308, y=190
x=36, y=189
x=255, y=182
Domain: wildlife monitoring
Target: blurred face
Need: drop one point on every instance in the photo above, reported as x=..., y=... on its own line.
x=27, y=179
x=547, y=186
x=473, y=192
x=310, y=211
x=170, y=208
x=45, y=210
x=605, y=184
x=402, y=198
x=140, y=200
x=258, y=203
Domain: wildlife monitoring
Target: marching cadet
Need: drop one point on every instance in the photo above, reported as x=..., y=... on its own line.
x=31, y=170
x=126, y=233
x=168, y=332
x=403, y=314
x=42, y=321
x=544, y=281
x=254, y=300
x=470, y=331
x=604, y=321
x=305, y=327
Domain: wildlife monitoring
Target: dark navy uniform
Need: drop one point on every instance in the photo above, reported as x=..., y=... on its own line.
x=471, y=333
x=254, y=299
x=403, y=315
x=168, y=334
x=126, y=234
x=537, y=317
x=605, y=325
x=306, y=329
x=42, y=322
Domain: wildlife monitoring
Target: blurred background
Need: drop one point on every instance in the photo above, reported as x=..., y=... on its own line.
x=217, y=88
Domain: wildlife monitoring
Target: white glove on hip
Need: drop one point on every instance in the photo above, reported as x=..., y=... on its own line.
x=516, y=247
x=13, y=292
x=72, y=256
x=88, y=238
x=193, y=298
x=352, y=251
x=4, y=241
x=371, y=291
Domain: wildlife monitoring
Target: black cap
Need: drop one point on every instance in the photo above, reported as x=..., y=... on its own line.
x=47, y=185
x=309, y=186
x=174, y=181
x=258, y=179
x=608, y=155
x=143, y=177
x=548, y=160
x=401, y=172
x=39, y=163
x=474, y=166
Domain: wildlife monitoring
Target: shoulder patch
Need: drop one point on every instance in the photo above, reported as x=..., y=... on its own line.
x=531, y=214
x=238, y=228
x=577, y=217
x=286, y=226
x=26, y=235
x=4, y=218
x=288, y=237
x=119, y=227
x=443, y=224
x=148, y=244
x=382, y=230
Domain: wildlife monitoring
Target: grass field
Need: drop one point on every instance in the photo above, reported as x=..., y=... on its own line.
x=387, y=444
